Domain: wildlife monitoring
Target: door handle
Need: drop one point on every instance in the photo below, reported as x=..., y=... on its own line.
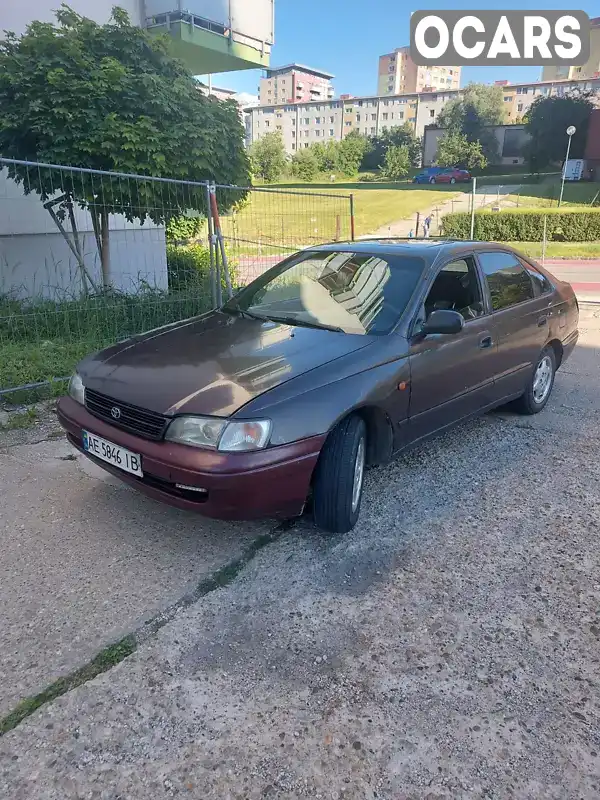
x=543, y=320
x=485, y=341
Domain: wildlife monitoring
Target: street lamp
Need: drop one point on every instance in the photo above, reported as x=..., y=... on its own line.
x=570, y=131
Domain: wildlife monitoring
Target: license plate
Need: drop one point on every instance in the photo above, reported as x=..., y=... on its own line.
x=112, y=453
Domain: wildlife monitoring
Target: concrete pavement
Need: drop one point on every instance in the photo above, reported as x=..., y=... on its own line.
x=582, y=274
x=85, y=560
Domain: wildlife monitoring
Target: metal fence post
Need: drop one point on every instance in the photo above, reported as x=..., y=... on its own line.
x=544, y=239
x=352, y=232
x=211, y=248
x=473, y=208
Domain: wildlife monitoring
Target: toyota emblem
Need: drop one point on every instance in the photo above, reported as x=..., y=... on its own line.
x=115, y=412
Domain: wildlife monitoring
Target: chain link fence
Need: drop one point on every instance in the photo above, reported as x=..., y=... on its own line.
x=88, y=258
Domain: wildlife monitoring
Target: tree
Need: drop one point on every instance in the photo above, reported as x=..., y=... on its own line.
x=399, y=136
x=454, y=150
x=327, y=155
x=351, y=151
x=474, y=114
x=396, y=163
x=110, y=97
x=268, y=157
x=305, y=164
x=547, y=121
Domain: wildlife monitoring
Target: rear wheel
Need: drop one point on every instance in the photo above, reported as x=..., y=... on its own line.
x=539, y=387
x=431, y=180
x=338, y=483
x=452, y=180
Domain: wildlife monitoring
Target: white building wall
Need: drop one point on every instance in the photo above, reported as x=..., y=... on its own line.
x=35, y=260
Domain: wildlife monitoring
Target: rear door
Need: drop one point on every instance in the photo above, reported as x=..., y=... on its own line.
x=520, y=319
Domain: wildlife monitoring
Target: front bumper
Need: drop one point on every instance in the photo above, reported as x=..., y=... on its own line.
x=266, y=483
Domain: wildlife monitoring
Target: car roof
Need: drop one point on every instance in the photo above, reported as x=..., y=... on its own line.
x=428, y=249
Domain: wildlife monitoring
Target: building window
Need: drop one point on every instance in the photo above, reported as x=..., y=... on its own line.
x=386, y=102
x=401, y=115
x=507, y=99
x=520, y=107
x=360, y=103
x=331, y=131
x=317, y=133
x=293, y=134
x=385, y=115
x=293, y=145
x=392, y=115
x=519, y=90
x=306, y=134
x=358, y=117
x=348, y=124
x=317, y=120
x=305, y=144
x=432, y=113
x=278, y=127
x=307, y=120
x=267, y=123
x=373, y=117
x=373, y=130
x=331, y=119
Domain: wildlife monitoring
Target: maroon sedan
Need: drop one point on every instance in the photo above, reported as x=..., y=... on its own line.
x=338, y=357
x=451, y=175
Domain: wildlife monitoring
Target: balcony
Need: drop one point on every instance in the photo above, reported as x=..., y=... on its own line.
x=215, y=35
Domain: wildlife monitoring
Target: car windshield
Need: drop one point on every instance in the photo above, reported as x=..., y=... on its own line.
x=360, y=293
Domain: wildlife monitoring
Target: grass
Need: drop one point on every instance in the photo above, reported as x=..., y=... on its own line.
x=296, y=220
x=107, y=658
x=559, y=249
x=546, y=194
x=21, y=419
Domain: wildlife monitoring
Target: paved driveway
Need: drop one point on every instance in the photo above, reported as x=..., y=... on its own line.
x=448, y=647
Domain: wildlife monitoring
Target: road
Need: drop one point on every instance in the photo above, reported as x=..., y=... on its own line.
x=447, y=648
x=583, y=275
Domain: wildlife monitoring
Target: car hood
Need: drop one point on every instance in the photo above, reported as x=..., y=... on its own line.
x=213, y=364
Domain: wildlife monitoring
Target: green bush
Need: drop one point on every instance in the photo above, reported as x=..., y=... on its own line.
x=182, y=229
x=188, y=268
x=526, y=225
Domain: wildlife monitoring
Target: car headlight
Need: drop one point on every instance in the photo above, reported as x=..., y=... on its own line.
x=216, y=434
x=76, y=388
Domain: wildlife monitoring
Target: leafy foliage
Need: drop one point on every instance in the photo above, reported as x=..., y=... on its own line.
x=547, y=121
x=351, y=151
x=182, y=229
x=305, y=164
x=400, y=136
x=473, y=114
x=525, y=225
x=454, y=150
x=110, y=97
x=397, y=162
x=268, y=157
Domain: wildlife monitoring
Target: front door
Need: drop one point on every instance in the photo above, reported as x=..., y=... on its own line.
x=451, y=374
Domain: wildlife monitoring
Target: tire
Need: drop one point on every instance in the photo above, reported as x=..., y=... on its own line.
x=336, y=498
x=533, y=400
x=452, y=180
x=431, y=180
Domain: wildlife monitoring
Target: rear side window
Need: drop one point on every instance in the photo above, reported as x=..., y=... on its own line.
x=541, y=284
x=508, y=281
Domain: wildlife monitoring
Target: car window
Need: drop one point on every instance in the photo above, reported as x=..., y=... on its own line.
x=357, y=292
x=456, y=288
x=541, y=284
x=509, y=283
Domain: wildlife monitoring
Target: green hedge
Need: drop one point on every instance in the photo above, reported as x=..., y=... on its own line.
x=188, y=268
x=526, y=225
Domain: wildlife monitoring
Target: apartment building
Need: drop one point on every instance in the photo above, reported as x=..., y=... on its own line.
x=591, y=69
x=398, y=74
x=295, y=83
x=302, y=124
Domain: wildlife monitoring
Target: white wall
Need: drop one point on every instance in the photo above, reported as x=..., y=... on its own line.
x=36, y=261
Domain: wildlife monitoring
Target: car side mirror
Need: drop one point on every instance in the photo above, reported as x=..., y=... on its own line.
x=443, y=321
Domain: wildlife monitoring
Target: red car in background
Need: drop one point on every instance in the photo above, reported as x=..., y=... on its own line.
x=451, y=175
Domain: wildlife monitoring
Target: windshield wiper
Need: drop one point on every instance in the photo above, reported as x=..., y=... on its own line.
x=306, y=324
x=242, y=313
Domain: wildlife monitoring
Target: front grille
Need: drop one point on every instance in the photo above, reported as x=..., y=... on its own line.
x=132, y=419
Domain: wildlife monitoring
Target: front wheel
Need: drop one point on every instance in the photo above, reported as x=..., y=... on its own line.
x=452, y=180
x=539, y=387
x=338, y=483
x=431, y=180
